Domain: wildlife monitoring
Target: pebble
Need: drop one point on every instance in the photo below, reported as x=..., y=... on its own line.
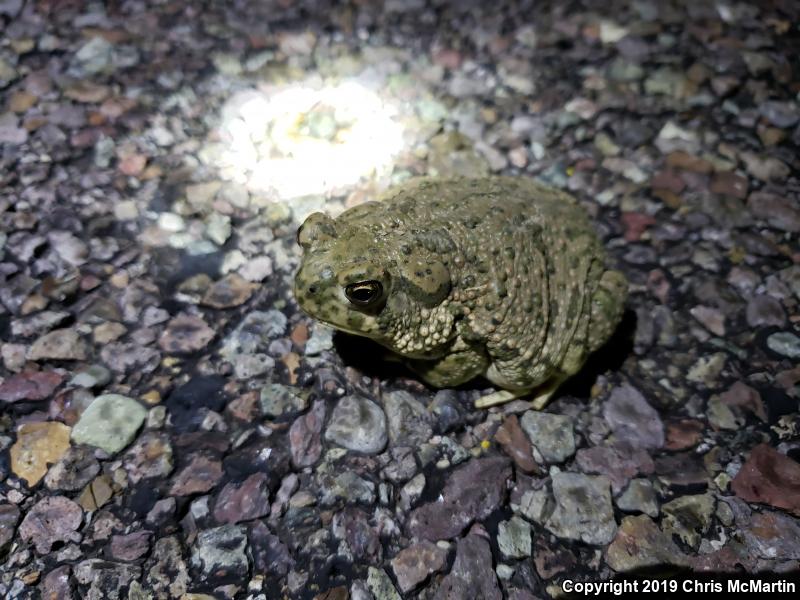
x=257, y=269
x=9, y=517
x=74, y=469
x=38, y=445
x=471, y=576
x=94, y=376
x=639, y=497
x=357, y=424
x=93, y=57
x=185, y=334
x=201, y=474
x=59, y=344
x=639, y=544
x=254, y=333
x=784, y=343
x=150, y=456
x=780, y=114
x=632, y=419
x=617, y=462
x=278, y=400
x=409, y=423
x=688, y=517
x=347, y=486
x=771, y=534
x=514, y=538
x=220, y=553
x=30, y=385
x=551, y=435
x=244, y=502
x=131, y=546
x=415, y=564
x=304, y=436
x=777, y=210
x=516, y=444
x=583, y=509
x=471, y=493
x=321, y=340
x=53, y=519
x=232, y=290
x=381, y=585
x=769, y=477
x=351, y=525
x=110, y=422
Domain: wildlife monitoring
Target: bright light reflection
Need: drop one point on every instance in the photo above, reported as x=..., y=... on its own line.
x=299, y=140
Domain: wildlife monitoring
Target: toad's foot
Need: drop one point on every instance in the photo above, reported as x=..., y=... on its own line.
x=499, y=397
x=541, y=395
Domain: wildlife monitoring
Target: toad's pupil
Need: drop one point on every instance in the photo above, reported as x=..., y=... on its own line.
x=312, y=289
x=362, y=294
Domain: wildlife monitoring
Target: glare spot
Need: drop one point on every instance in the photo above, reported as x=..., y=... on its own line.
x=300, y=140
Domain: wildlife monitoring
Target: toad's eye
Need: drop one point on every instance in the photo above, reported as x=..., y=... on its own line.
x=364, y=293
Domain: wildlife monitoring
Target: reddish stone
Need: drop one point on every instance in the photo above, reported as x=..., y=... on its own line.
x=789, y=378
x=414, y=564
x=30, y=385
x=130, y=546
x=448, y=58
x=200, y=475
x=729, y=559
x=245, y=407
x=305, y=436
x=769, y=477
x=668, y=180
x=743, y=396
x=635, y=225
x=516, y=444
x=243, y=502
x=551, y=561
x=730, y=184
x=132, y=164
x=658, y=285
x=682, y=160
x=53, y=519
x=619, y=463
x=300, y=335
x=684, y=434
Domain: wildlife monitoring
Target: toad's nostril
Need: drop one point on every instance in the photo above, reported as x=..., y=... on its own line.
x=312, y=289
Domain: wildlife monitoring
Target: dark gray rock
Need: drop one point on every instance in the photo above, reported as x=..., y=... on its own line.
x=632, y=419
x=357, y=424
x=472, y=576
x=219, y=554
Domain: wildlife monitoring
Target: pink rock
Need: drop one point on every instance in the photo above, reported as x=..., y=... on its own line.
x=243, y=502
x=36, y=385
x=769, y=477
x=131, y=546
x=414, y=564
x=304, y=436
x=200, y=475
x=635, y=225
x=132, y=164
x=53, y=519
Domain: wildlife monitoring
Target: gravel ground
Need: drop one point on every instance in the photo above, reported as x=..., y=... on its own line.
x=172, y=425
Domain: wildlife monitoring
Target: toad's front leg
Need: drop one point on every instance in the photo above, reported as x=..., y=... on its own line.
x=461, y=364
